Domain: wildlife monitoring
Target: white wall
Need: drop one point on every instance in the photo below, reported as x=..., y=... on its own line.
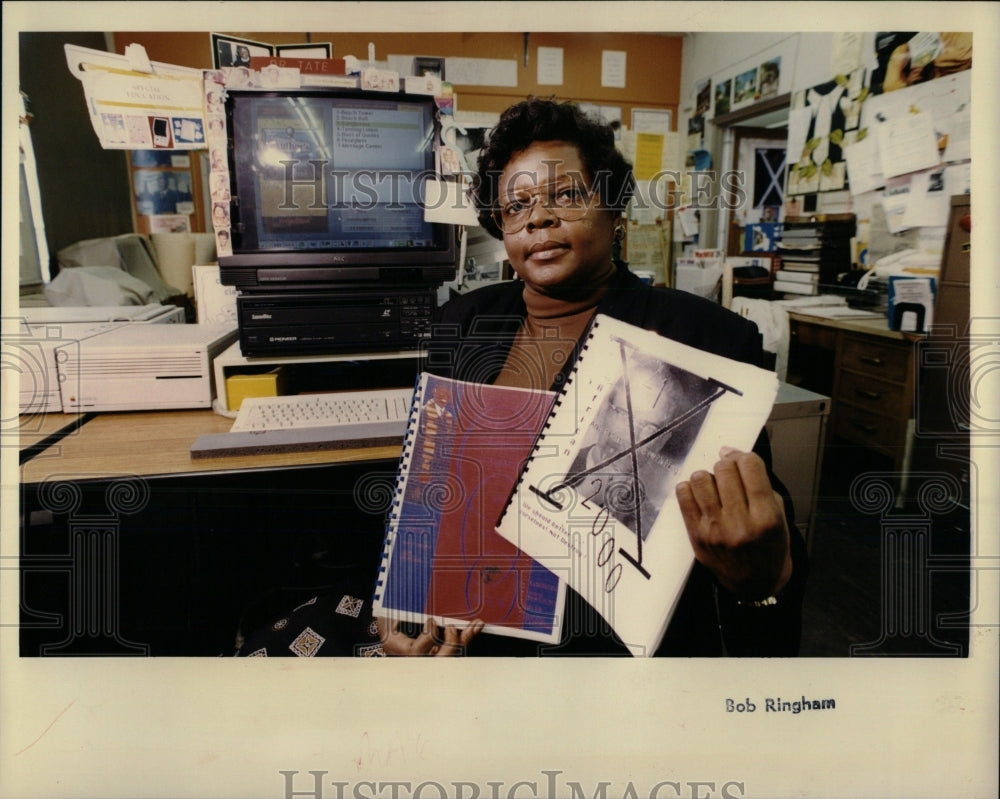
x=806, y=59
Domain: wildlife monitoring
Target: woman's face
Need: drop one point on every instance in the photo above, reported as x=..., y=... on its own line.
x=550, y=254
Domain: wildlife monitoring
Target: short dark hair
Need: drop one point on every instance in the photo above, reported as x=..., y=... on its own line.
x=538, y=120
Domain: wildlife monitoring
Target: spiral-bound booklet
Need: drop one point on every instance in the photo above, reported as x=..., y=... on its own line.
x=463, y=451
x=596, y=503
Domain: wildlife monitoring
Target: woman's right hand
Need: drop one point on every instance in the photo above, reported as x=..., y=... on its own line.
x=435, y=641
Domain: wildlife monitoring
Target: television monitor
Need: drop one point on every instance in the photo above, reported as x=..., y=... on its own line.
x=327, y=190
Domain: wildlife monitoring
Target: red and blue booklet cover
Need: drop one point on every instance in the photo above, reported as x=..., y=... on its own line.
x=465, y=448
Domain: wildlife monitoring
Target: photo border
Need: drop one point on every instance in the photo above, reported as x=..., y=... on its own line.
x=298, y=50
x=219, y=38
x=429, y=65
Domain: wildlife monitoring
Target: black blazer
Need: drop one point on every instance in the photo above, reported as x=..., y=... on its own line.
x=471, y=340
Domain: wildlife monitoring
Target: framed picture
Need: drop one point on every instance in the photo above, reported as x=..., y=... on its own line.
x=723, y=96
x=231, y=52
x=162, y=191
x=745, y=87
x=313, y=50
x=770, y=77
x=428, y=66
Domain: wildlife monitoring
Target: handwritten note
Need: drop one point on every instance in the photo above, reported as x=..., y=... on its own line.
x=907, y=143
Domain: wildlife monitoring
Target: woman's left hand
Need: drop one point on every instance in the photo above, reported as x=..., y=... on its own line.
x=737, y=526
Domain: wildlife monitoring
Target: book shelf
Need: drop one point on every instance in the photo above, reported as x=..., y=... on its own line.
x=819, y=244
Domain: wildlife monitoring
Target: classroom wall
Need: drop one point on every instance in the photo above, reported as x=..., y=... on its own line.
x=653, y=61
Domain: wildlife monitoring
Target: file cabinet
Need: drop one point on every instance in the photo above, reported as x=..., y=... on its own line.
x=873, y=394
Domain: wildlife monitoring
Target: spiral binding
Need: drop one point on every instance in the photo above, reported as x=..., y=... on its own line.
x=401, y=475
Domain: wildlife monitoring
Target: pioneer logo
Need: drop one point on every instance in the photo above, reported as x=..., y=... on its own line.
x=278, y=339
x=259, y=317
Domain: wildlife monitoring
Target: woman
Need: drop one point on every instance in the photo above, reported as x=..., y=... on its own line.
x=552, y=185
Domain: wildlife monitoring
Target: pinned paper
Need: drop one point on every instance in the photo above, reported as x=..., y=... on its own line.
x=138, y=109
x=907, y=143
x=646, y=250
x=446, y=201
x=423, y=84
x=864, y=169
x=928, y=202
x=550, y=66
x=380, y=80
x=613, y=69
x=648, y=155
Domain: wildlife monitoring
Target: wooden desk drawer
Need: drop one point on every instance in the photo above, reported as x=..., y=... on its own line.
x=875, y=395
x=812, y=335
x=877, y=358
x=868, y=429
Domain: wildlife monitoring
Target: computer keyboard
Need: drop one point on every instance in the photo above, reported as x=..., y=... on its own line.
x=306, y=422
x=323, y=410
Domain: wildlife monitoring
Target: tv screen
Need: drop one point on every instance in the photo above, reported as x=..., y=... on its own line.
x=328, y=188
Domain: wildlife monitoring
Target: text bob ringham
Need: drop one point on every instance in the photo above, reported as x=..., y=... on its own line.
x=778, y=705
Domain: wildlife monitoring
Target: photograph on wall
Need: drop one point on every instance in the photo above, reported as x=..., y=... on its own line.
x=428, y=66
x=703, y=109
x=228, y=51
x=905, y=59
x=162, y=191
x=696, y=132
x=723, y=96
x=770, y=78
x=704, y=98
x=745, y=87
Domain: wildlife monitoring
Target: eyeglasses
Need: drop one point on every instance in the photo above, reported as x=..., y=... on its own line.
x=568, y=203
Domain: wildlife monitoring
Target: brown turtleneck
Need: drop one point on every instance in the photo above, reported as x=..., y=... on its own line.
x=548, y=335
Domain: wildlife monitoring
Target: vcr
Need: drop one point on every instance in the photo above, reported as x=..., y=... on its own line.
x=334, y=321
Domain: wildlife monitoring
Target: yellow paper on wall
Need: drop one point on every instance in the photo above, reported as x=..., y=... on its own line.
x=648, y=155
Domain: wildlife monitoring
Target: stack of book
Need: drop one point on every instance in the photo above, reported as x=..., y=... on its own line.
x=813, y=250
x=796, y=281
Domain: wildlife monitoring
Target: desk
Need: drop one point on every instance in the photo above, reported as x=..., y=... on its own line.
x=867, y=370
x=157, y=443
x=128, y=546
x=39, y=431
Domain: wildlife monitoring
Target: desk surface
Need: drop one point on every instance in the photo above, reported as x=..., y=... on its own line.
x=34, y=428
x=149, y=443
x=872, y=325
